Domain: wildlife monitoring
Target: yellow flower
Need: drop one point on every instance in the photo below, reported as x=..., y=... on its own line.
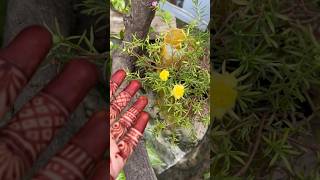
x=178, y=91
x=175, y=37
x=224, y=93
x=169, y=54
x=170, y=49
x=164, y=74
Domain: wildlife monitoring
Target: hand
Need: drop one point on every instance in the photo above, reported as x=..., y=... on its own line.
x=124, y=133
x=32, y=128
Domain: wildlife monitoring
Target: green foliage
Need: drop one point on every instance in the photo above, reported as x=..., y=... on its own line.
x=276, y=59
x=199, y=9
x=192, y=72
x=121, y=176
x=165, y=16
x=83, y=45
x=206, y=176
x=94, y=7
x=314, y=173
x=98, y=9
x=121, y=6
x=225, y=154
x=154, y=158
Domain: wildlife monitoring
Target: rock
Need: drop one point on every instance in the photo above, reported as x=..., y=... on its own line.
x=171, y=154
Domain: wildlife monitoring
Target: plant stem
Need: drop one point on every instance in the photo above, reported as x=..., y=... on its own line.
x=243, y=170
x=236, y=127
x=313, y=147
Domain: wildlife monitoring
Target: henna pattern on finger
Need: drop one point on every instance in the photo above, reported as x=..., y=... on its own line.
x=119, y=128
x=120, y=153
x=118, y=104
x=73, y=163
x=115, y=81
x=79, y=158
x=12, y=80
x=29, y=132
x=122, y=100
x=129, y=117
x=128, y=143
x=113, y=114
x=11, y=161
x=113, y=88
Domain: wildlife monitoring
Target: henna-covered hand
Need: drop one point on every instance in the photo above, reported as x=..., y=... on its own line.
x=127, y=129
x=32, y=128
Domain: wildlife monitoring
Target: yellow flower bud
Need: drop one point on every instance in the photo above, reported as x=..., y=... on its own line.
x=164, y=74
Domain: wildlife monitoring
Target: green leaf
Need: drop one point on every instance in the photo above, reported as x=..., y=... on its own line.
x=281, y=16
x=270, y=23
x=239, y=159
x=121, y=176
x=286, y=163
x=91, y=38
x=269, y=40
x=154, y=157
x=273, y=160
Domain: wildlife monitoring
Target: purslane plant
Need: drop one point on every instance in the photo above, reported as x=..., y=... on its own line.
x=176, y=68
x=273, y=54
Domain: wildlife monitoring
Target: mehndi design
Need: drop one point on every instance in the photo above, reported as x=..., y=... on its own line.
x=125, y=133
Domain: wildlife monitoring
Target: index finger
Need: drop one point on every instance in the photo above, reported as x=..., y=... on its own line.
x=115, y=81
x=19, y=60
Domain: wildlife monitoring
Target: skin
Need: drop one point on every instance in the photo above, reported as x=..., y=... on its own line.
x=31, y=130
x=126, y=131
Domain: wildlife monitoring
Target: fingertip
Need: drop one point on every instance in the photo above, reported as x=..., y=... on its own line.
x=84, y=69
x=144, y=99
x=73, y=83
x=118, y=76
x=28, y=48
x=93, y=136
x=133, y=87
x=42, y=32
x=141, y=103
x=142, y=121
